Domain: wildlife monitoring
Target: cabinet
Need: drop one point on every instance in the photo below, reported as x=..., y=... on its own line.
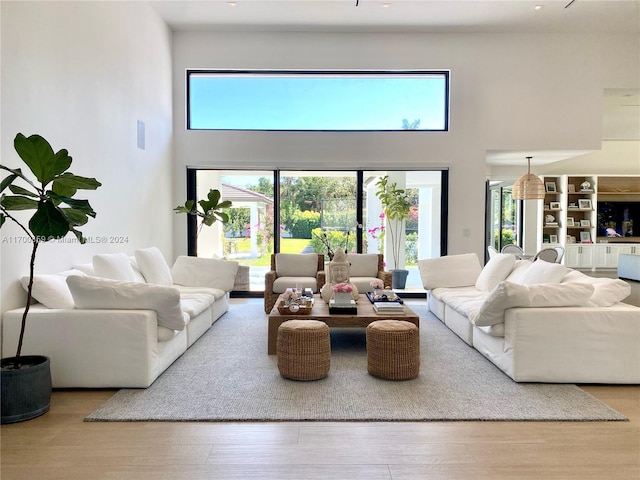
x=552, y=211
x=578, y=256
x=606, y=255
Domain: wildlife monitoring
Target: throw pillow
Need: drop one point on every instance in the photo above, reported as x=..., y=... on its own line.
x=511, y=295
x=608, y=291
x=495, y=271
x=449, y=271
x=363, y=264
x=95, y=292
x=204, y=272
x=543, y=272
x=115, y=266
x=297, y=264
x=51, y=290
x=519, y=268
x=153, y=266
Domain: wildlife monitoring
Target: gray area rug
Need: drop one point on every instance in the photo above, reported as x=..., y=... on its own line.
x=228, y=376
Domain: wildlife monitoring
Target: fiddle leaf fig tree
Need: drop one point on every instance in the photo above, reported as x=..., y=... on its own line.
x=211, y=210
x=396, y=206
x=50, y=194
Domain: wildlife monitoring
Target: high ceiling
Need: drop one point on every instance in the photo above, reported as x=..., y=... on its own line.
x=580, y=16
x=621, y=107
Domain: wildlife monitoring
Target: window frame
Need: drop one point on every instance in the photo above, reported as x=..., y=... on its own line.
x=446, y=74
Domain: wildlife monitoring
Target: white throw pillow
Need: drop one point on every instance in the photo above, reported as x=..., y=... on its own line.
x=495, y=271
x=450, y=271
x=363, y=264
x=51, y=290
x=204, y=272
x=297, y=264
x=518, y=270
x=103, y=293
x=543, y=272
x=153, y=266
x=115, y=266
x=606, y=291
x=511, y=295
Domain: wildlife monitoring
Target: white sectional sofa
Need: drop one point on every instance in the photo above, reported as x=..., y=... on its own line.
x=537, y=322
x=120, y=321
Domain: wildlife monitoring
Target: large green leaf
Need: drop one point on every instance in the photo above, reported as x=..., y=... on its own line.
x=36, y=152
x=67, y=184
x=2, y=219
x=15, y=202
x=7, y=181
x=48, y=222
x=77, y=204
x=75, y=217
x=22, y=191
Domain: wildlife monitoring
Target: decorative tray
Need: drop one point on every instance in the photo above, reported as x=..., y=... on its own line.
x=387, y=296
x=303, y=308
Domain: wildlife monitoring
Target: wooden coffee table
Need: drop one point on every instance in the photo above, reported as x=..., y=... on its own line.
x=320, y=311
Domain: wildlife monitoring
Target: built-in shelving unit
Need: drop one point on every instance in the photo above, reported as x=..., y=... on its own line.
x=569, y=217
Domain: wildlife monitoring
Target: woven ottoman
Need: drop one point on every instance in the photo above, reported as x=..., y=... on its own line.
x=303, y=349
x=393, y=349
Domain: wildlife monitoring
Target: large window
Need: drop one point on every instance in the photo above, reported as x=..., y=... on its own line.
x=318, y=100
x=304, y=211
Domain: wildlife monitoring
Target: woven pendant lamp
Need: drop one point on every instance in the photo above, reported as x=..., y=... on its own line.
x=528, y=186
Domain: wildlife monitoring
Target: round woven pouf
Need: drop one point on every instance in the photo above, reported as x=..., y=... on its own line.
x=304, y=349
x=393, y=349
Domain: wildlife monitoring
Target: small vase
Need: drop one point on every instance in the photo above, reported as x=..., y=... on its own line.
x=342, y=298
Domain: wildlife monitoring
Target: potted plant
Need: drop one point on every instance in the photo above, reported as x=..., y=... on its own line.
x=26, y=379
x=396, y=207
x=211, y=209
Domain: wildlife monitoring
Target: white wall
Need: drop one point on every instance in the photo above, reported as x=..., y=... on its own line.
x=81, y=74
x=508, y=92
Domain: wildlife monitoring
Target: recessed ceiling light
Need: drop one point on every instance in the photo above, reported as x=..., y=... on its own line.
x=386, y=5
x=538, y=7
x=231, y=4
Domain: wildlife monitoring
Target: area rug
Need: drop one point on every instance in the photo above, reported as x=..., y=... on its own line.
x=228, y=376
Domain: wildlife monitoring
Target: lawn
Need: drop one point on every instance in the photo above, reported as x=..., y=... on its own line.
x=287, y=245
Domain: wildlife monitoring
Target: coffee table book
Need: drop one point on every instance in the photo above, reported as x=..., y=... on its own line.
x=342, y=308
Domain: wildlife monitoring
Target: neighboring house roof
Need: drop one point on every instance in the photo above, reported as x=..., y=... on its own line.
x=242, y=195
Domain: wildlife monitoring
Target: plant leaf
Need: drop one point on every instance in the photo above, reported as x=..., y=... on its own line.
x=14, y=202
x=36, y=152
x=7, y=181
x=67, y=184
x=75, y=217
x=48, y=222
x=22, y=191
x=2, y=219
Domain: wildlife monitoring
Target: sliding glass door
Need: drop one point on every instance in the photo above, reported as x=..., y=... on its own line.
x=319, y=211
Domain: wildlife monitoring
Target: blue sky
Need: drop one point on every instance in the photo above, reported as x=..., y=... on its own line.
x=359, y=102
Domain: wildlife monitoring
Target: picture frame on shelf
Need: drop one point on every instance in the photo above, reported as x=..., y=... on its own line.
x=571, y=188
x=571, y=239
x=585, y=237
x=553, y=238
x=585, y=223
x=554, y=205
x=584, y=204
x=572, y=206
x=550, y=187
x=571, y=222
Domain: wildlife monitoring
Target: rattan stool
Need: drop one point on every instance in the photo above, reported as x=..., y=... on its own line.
x=393, y=349
x=304, y=349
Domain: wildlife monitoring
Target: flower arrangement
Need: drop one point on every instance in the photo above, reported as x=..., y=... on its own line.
x=342, y=288
x=290, y=295
x=377, y=284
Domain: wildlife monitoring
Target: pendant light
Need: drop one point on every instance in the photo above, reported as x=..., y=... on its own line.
x=528, y=186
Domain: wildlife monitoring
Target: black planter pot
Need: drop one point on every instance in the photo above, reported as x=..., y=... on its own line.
x=399, y=279
x=26, y=391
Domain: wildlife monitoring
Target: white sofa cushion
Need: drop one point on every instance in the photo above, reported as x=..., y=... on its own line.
x=511, y=295
x=153, y=266
x=542, y=272
x=449, y=271
x=115, y=266
x=495, y=271
x=518, y=270
x=363, y=264
x=51, y=290
x=606, y=291
x=94, y=292
x=297, y=264
x=195, y=303
x=204, y=272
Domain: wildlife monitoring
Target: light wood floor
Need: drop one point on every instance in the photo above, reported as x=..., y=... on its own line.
x=59, y=445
